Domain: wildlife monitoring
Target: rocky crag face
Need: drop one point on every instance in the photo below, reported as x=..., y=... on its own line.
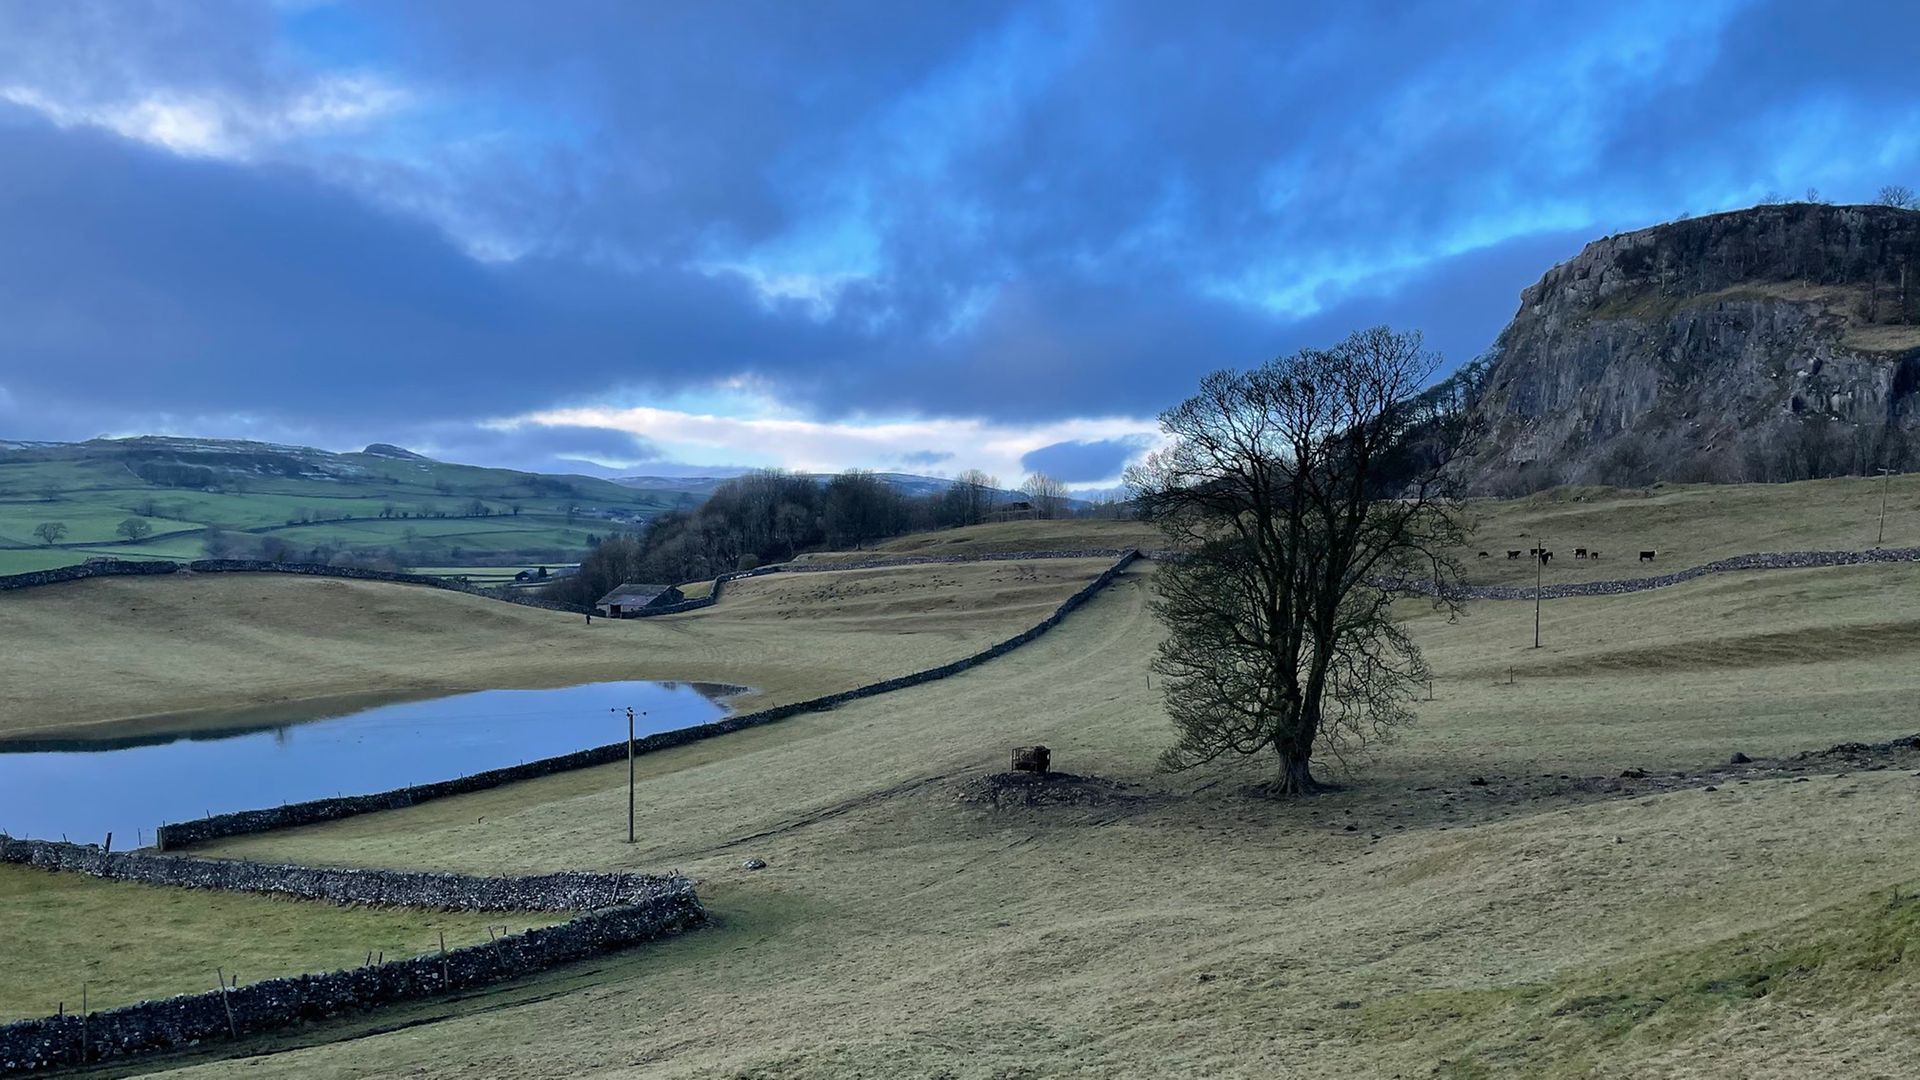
x=1777, y=343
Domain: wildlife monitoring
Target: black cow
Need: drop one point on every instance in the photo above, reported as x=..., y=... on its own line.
x=1546, y=556
x=1513, y=554
x=1579, y=553
x=1484, y=555
x=1646, y=556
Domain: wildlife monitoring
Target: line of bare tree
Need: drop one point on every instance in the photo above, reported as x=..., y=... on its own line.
x=771, y=516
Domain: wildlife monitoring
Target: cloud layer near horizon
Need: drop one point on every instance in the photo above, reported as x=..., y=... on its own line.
x=841, y=233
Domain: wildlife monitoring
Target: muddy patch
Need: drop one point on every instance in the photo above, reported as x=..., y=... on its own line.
x=1017, y=790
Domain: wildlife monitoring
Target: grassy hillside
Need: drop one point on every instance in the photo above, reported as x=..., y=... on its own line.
x=167, y=652
x=1686, y=524
x=134, y=942
x=1413, y=924
x=295, y=499
x=1007, y=536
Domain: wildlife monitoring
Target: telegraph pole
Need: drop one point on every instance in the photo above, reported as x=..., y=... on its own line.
x=1539, y=574
x=629, y=771
x=1886, y=480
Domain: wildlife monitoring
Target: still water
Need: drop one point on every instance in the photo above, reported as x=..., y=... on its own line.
x=83, y=790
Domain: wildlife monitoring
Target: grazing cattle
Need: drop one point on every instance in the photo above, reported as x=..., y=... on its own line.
x=1533, y=551
x=1484, y=555
x=1594, y=555
x=1646, y=556
x=1579, y=553
x=1546, y=556
x=1513, y=554
x=1033, y=759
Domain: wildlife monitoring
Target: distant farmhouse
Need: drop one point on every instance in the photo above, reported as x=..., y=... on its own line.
x=628, y=600
x=1018, y=510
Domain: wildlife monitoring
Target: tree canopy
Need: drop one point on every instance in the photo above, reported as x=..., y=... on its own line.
x=1303, y=492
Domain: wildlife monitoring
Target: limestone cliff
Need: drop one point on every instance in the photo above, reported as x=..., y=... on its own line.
x=1765, y=344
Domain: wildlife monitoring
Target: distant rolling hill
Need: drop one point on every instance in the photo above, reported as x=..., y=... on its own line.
x=911, y=484
x=196, y=497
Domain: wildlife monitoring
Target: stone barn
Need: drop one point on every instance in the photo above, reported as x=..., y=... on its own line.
x=1019, y=510
x=627, y=600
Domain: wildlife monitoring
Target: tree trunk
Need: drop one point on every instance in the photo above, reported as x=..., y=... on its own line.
x=1296, y=775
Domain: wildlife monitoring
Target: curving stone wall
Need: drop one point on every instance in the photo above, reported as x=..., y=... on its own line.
x=644, y=907
x=991, y=556
x=126, y=568
x=566, y=891
x=318, y=810
x=174, y=1023
x=719, y=583
x=1780, y=560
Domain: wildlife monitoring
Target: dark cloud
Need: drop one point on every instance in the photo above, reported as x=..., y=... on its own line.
x=1024, y=211
x=194, y=285
x=1083, y=462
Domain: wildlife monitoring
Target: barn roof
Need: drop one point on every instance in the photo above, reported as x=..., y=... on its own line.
x=633, y=593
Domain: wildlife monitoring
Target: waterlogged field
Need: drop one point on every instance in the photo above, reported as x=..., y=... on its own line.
x=163, y=653
x=1415, y=923
x=87, y=788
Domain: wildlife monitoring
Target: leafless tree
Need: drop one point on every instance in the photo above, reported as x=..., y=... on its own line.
x=970, y=498
x=859, y=507
x=1899, y=195
x=1049, y=496
x=50, y=532
x=1300, y=491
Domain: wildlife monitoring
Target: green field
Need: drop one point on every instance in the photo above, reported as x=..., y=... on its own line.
x=274, y=500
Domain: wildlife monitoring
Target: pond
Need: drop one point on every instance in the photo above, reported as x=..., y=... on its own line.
x=84, y=789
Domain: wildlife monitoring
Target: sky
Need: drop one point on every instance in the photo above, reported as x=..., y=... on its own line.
x=626, y=237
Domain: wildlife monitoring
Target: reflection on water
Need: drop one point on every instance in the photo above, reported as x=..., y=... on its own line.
x=84, y=789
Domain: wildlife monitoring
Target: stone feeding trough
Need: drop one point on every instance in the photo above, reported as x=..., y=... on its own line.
x=1031, y=759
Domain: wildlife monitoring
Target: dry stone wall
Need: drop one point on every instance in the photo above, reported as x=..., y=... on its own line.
x=125, y=568
x=719, y=583
x=566, y=891
x=32, y=1046
x=643, y=907
x=307, y=813
x=992, y=556
x=1779, y=560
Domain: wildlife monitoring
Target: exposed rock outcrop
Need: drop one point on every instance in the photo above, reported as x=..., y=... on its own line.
x=1774, y=343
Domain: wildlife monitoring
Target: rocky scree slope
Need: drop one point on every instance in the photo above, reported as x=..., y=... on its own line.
x=1776, y=343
